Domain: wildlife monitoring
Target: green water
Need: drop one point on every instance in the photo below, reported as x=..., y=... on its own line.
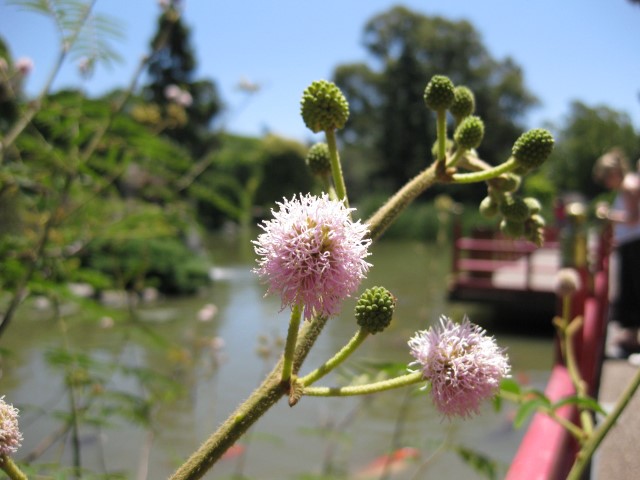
x=316, y=436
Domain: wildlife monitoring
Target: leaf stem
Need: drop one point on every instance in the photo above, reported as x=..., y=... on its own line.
x=336, y=360
x=484, y=175
x=351, y=390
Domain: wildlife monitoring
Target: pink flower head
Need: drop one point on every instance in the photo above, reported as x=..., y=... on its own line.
x=463, y=365
x=312, y=254
x=10, y=436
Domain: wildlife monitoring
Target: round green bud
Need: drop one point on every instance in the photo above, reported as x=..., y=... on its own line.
x=464, y=103
x=439, y=93
x=533, y=204
x=515, y=209
x=469, y=133
x=534, y=235
x=374, y=309
x=488, y=207
x=507, y=182
x=318, y=159
x=512, y=229
x=538, y=220
x=324, y=107
x=532, y=148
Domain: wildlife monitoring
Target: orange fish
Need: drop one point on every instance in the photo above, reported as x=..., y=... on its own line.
x=392, y=463
x=234, y=451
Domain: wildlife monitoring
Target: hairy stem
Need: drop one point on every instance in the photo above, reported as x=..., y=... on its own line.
x=261, y=400
x=351, y=390
x=387, y=213
x=336, y=360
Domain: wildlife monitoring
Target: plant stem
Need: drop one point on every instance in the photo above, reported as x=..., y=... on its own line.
x=441, y=132
x=336, y=360
x=590, y=446
x=351, y=390
x=336, y=167
x=11, y=469
x=388, y=212
x=574, y=372
x=484, y=175
x=261, y=400
x=290, y=345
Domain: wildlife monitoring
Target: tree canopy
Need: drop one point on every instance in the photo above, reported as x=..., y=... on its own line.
x=388, y=117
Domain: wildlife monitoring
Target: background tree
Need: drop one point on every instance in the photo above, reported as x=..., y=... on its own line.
x=389, y=123
x=586, y=134
x=191, y=104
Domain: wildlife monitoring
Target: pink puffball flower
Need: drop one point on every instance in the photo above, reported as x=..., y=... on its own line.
x=463, y=365
x=10, y=436
x=312, y=254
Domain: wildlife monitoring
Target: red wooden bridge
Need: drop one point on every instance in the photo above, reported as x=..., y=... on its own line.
x=498, y=271
x=488, y=268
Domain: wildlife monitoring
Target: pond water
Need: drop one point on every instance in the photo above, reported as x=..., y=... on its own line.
x=218, y=361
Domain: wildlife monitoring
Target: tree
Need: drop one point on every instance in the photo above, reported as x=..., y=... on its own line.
x=191, y=104
x=585, y=135
x=388, y=117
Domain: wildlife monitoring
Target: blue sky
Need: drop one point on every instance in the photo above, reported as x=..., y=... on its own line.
x=585, y=50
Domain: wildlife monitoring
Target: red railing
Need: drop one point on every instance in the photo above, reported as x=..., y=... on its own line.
x=547, y=451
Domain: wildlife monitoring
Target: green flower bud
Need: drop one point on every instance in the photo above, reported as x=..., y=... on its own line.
x=512, y=229
x=469, y=133
x=464, y=103
x=514, y=209
x=439, y=93
x=324, y=107
x=533, y=204
x=532, y=148
x=318, y=159
x=488, y=207
x=508, y=182
x=537, y=220
x=374, y=309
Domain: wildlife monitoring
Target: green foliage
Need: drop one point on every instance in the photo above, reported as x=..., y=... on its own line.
x=248, y=174
x=87, y=35
x=478, y=462
x=585, y=135
x=164, y=263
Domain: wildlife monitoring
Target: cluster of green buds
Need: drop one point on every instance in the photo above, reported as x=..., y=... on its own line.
x=442, y=96
x=519, y=217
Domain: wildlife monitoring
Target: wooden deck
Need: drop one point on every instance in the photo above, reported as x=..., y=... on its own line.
x=505, y=273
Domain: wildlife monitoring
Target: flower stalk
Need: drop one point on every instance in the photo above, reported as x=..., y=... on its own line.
x=11, y=469
x=484, y=175
x=290, y=345
x=352, y=390
x=336, y=167
x=336, y=360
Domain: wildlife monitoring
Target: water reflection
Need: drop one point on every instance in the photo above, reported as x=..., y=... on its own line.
x=216, y=363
